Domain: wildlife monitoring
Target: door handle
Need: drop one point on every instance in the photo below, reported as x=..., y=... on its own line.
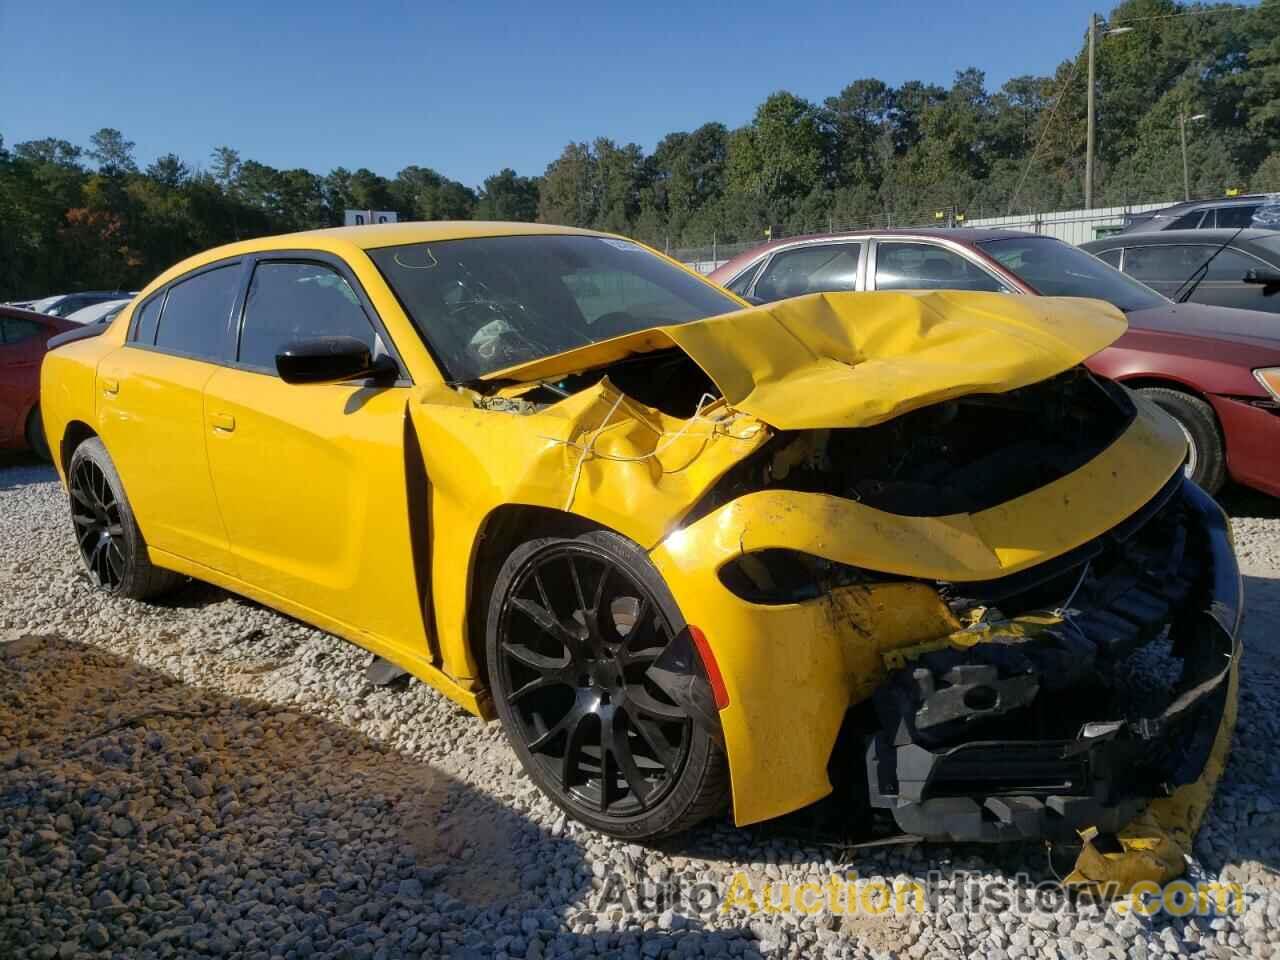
x=223, y=422
x=110, y=386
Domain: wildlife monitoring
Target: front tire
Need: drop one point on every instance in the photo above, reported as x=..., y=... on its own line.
x=110, y=543
x=1206, y=464
x=573, y=626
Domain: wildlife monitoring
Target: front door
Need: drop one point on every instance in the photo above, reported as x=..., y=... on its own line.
x=321, y=499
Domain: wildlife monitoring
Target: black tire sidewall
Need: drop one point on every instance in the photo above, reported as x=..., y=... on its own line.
x=133, y=582
x=1197, y=419
x=670, y=815
x=36, y=439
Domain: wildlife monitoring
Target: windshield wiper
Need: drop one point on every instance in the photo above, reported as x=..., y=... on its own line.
x=1201, y=271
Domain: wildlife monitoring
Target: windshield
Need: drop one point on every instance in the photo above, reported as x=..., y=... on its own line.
x=1057, y=269
x=487, y=303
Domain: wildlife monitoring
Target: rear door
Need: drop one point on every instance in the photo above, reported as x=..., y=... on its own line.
x=324, y=502
x=150, y=397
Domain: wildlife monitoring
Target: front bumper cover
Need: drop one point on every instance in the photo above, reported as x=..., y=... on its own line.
x=942, y=778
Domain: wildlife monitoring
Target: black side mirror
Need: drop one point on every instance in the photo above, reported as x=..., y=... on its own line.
x=754, y=301
x=331, y=360
x=1263, y=277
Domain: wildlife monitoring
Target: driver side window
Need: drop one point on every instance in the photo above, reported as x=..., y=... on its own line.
x=290, y=300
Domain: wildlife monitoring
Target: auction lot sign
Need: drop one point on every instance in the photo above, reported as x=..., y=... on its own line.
x=358, y=218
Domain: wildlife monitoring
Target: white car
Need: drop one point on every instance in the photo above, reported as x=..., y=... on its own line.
x=103, y=312
x=65, y=304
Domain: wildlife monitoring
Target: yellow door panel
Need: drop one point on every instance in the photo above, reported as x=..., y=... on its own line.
x=150, y=415
x=322, y=504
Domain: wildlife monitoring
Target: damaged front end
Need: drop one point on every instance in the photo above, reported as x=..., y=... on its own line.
x=1030, y=722
x=923, y=550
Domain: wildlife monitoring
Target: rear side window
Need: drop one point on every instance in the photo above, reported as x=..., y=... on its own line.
x=1110, y=257
x=196, y=311
x=289, y=301
x=144, y=321
x=1233, y=217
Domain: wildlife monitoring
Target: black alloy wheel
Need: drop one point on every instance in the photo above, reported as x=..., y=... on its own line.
x=95, y=511
x=110, y=543
x=575, y=626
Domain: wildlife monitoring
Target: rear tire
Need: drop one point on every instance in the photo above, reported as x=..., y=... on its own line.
x=110, y=543
x=573, y=625
x=1206, y=457
x=36, y=439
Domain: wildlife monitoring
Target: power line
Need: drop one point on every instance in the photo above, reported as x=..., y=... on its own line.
x=1075, y=66
x=1185, y=13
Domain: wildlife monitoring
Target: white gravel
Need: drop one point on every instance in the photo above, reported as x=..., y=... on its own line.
x=208, y=777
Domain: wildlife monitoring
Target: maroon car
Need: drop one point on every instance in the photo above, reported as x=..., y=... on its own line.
x=23, y=338
x=1215, y=370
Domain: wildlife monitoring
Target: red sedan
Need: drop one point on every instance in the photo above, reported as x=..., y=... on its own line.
x=1215, y=370
x=23, y=339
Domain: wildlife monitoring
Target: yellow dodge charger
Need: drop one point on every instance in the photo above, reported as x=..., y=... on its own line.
x=691, y=552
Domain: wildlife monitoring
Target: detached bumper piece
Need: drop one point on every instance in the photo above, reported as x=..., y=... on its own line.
x=1027, y=733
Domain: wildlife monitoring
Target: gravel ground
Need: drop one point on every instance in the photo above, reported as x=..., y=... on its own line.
x=208, y=777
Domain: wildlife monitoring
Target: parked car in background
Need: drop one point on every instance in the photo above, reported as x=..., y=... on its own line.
x=24, y=335
x=1261, y=210
x=65, y=304
x=1214, y=369
x=103, y=312
x=1243, y=265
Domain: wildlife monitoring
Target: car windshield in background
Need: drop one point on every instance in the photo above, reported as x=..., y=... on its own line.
x=1057, y=269
x=487, y=303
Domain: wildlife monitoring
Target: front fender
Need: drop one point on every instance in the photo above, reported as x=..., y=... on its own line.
x=792, y=670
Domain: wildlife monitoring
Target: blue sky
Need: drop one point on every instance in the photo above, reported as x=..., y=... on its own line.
x=470, y=87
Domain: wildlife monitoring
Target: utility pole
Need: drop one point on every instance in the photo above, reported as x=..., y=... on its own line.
x=1182, y=127
x=1088, y=147
x=1186, y=177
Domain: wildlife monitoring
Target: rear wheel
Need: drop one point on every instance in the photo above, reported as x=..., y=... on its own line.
x=1206, y=458
x=36, y=439
x=573, y=627
x=110, y=542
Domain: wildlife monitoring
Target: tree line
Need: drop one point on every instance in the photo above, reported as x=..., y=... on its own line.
x=78, y=217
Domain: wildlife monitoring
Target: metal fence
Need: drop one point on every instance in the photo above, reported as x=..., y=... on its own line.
x=1073, y=226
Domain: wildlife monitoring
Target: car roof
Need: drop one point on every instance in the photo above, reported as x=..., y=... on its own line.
x=1207, y=237
x=965, y=235
x=341, y=240
x=18, y=313
x=1215, y=202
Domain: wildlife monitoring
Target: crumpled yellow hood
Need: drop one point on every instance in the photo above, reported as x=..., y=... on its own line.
x=856, y=359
